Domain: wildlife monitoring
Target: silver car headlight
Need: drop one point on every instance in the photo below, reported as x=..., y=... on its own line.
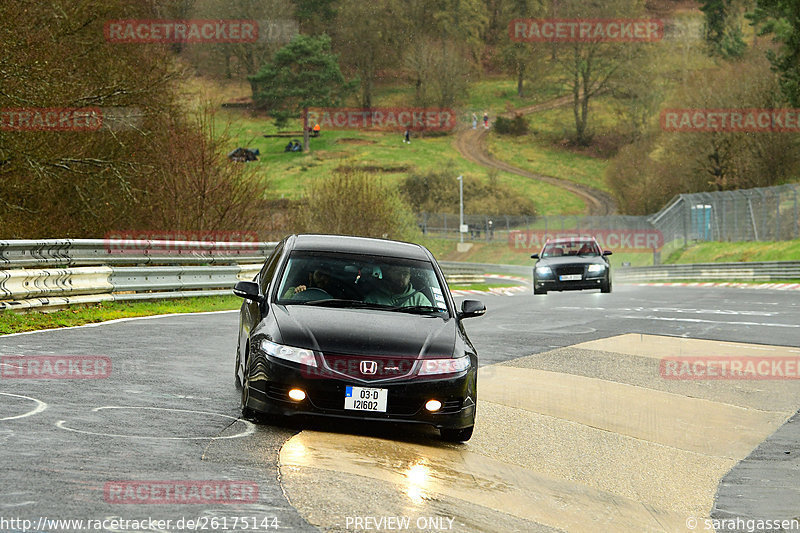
x=432, y=367
x=596, y=268
x=289, y=353
x=544, y=271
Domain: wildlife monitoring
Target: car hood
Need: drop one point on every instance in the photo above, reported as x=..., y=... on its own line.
x=365, y=331
x=571, y=260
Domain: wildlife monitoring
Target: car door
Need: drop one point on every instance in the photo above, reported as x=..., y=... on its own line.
x=252, y=312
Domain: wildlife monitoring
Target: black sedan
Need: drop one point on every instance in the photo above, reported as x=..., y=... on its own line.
x=356, y=328
x=571, y=264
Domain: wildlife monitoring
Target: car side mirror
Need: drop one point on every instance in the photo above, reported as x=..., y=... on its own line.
x=248, y=290
x=535, y=256
x=471, y=308
x=606, y=252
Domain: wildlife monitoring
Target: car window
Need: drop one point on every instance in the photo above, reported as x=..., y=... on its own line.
x=552, y=250
x=571, y=247
x=268, y=270
x=385, y=281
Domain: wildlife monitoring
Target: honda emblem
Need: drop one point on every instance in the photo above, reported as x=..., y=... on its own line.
x=369, y=367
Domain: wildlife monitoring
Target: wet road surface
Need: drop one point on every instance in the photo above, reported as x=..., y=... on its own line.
x=578, y=430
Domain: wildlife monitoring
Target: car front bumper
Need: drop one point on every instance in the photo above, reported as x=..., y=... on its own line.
x=555, y=285
x=268, y=394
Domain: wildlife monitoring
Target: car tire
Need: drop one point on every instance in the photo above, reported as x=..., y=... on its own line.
x=606, y=287
x=456, y=435
x=247, y=412
x=236, y=381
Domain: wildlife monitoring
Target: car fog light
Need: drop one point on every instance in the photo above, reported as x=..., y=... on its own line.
x=433, y=405
x=297, y=395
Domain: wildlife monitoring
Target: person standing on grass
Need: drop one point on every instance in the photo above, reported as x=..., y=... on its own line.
x=474, y=121
x=485, y=119
x=407, y=137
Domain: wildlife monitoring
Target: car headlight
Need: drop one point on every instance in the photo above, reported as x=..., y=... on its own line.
x=289, y=353
x=596, y=268
x=544, y=271
x=444, y=366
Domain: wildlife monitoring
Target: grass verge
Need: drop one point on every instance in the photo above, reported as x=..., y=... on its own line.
x=734, y=252
x=481, y=286
x=16, y=322
x=499, y=252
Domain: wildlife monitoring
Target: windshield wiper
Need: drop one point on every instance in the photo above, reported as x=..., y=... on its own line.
x=336, y=302
x=419, y=309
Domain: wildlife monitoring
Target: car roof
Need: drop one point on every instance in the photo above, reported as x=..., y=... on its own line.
x=358, y=245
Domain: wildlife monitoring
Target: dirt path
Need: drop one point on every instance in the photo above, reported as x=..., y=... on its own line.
x=472, y=146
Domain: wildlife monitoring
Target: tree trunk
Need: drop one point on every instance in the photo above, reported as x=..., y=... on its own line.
x=585, y=74
x=366, y=93
x=306, y=147
x=576, y=95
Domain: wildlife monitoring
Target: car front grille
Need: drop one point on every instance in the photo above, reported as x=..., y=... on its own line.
x=569, y=270
x=451, y=406
x=278, y=392
x=369, y=368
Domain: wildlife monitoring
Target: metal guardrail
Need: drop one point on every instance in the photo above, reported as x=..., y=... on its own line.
x=42, y=288
x=87, y=272
x=453, y=267
x=106, y=252
x=59, y=272
x=751, y=271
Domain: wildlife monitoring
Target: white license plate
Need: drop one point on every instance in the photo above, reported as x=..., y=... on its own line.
x=571, y=277
x=365, y=399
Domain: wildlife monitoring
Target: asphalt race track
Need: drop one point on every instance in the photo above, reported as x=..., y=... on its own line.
x=579, y=428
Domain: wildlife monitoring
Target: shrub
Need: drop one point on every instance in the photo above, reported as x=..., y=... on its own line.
x=355, y=202
x=437, y=192
x=514, y=126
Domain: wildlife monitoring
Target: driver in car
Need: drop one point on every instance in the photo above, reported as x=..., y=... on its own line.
x=319, y=278
x=396, y=289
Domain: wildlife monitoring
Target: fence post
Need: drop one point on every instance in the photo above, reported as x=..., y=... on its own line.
x=687, y=212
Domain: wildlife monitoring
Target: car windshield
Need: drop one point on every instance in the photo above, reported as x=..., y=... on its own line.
x=571, y=247
x=342, y=280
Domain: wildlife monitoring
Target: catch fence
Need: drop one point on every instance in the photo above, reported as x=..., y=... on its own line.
x=760, y=214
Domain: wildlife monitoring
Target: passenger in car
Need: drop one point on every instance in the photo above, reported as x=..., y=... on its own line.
x=396, y=289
